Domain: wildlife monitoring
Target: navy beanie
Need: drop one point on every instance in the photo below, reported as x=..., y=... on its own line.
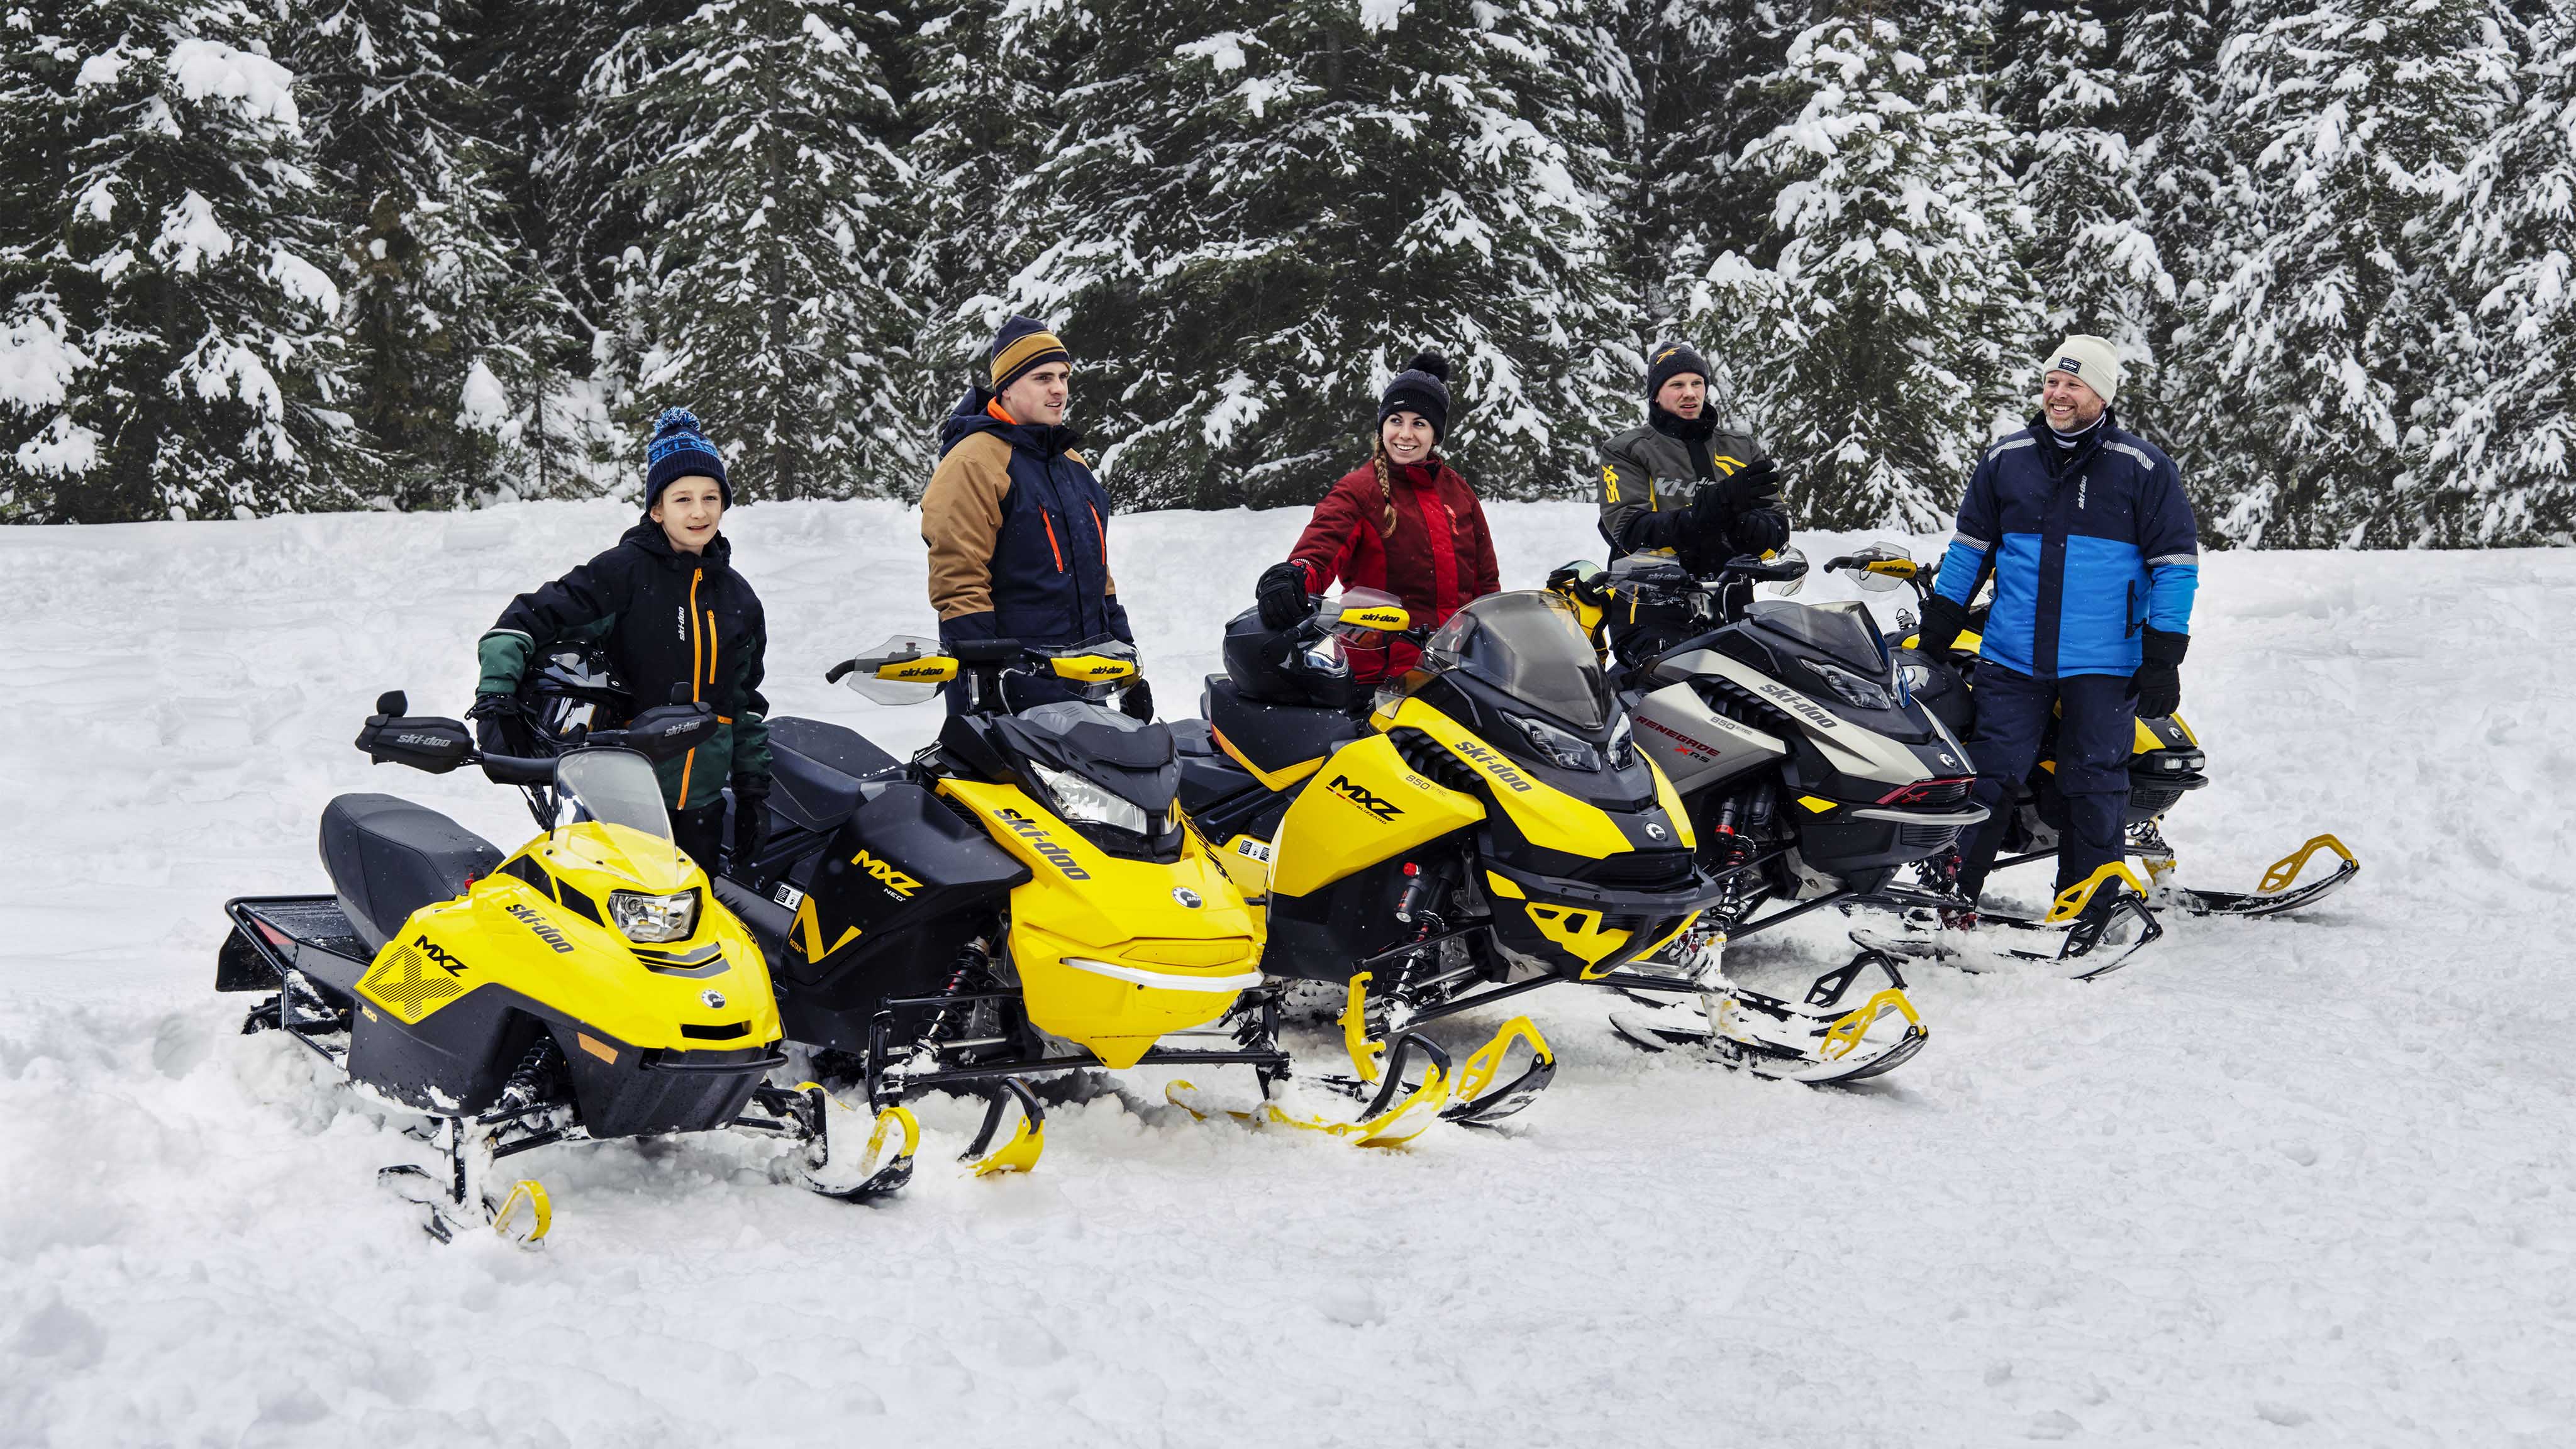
x=679, y=451
x=1423, y=387
x=1671, y=361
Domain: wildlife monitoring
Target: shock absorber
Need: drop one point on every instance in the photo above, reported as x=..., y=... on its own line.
x=972, y=961
x=530, y=1080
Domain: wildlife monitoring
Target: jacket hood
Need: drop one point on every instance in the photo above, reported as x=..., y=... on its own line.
x=973, y=415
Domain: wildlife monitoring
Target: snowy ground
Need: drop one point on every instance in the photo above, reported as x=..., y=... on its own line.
x=2285, y=1182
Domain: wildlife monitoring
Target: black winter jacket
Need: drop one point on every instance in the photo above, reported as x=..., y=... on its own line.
x=668, y=621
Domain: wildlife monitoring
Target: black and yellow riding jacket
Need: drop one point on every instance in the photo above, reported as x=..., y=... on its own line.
x=670, y=622
x=1648, y=475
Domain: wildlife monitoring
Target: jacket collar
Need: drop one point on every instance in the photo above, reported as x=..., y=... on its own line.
x=1688, y=430
x=979, y=412
x=2060, y=460
x=648, y=537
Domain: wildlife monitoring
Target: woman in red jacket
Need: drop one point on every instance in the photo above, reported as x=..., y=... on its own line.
x=1404, y=522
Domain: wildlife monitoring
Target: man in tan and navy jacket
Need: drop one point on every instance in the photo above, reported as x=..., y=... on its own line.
x=1018, y=527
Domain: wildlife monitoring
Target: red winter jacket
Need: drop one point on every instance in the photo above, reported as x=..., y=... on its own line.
x=1439, y=556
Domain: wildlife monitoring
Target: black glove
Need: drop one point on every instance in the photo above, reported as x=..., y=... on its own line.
x=1583, y=582
x=1764, y=530
x=2159, y=677
x=750, y=820
x=1283, y=595
x=488, y=713
x=1657, y=530
x=1757, y=483
x=1137, y=700
x=1942, y=621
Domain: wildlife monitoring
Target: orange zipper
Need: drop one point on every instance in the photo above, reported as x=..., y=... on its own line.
x=1104, y=533
x=1052, y=546
x=689, y=761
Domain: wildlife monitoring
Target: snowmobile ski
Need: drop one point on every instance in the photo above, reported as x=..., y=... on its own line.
x=1397, y=1111
x=1476, y=1101
x=1817, y=1041
x=1028, y=1135
x=874, y=1175
x=2081, y=918
x=2274, y=895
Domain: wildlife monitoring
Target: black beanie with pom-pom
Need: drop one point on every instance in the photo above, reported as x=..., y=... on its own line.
x=1423, y=387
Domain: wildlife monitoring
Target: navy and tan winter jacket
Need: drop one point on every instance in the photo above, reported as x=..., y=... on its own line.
x=669, y=621
x=2088, y=546
x=1018, y=530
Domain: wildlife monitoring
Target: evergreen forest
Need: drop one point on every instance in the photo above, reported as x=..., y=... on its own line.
x=261, y=256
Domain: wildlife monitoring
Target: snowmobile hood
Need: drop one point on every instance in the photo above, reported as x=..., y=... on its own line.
x=972, y=416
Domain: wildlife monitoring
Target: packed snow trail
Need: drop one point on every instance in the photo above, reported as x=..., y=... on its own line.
x=2293, y=1181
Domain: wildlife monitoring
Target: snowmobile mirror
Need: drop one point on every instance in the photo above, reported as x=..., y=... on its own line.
x=393, y=702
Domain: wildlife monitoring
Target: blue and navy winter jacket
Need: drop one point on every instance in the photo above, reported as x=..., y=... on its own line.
x=1018, y=530
x=2088, y=545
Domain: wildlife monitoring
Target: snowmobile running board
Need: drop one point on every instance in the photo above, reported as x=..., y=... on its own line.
x=887, y=1084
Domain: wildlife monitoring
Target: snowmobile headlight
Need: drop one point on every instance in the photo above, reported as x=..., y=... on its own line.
x=1558, y=748
x=1853, y=690
x=647, y=919
x=1623, y=743
x=1087, y=802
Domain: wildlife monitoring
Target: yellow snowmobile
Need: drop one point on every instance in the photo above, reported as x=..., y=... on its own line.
x=582, y=988
x=1487, y=829
x=2165, y=764
x=1019, y=899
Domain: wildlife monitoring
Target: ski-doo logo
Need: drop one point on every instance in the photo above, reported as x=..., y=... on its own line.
x=1381, y=808
x=1801, y=706
x=1495, y=766
x=887, y=876
x=907, y=671
x=422, y=740
x=1039, y=841
x=538, y=924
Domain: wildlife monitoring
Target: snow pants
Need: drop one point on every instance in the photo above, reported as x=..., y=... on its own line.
x=2096, y=725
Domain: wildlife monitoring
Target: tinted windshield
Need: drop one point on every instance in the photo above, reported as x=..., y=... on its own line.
x=612, y=787
x=1842, y=631
x=1530, y=645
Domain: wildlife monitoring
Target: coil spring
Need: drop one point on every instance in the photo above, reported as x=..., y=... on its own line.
x=530, y=1079
x=970, y=960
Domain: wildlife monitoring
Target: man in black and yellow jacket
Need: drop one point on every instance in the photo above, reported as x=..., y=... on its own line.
x=1016, y=523
x=677, y=622
x=1680, y=485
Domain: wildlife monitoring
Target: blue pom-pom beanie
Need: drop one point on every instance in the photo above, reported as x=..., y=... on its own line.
x=679, y=451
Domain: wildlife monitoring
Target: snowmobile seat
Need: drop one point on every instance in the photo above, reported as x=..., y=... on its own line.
x=1275, y=738
x=821, y=771
x=388, y=858
x=1194, y=738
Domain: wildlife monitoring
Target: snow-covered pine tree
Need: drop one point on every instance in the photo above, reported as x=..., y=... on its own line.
x=983, y=77
x=166, y=305
x=449, y=324
x=1696, y=104
x=1891, y=325
x=2506, y=455
x=771, y=232
x=1254, y=212
x=2065, y=84
x=2313, y=361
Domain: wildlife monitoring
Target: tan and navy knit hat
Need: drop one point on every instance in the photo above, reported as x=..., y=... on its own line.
x=1021, y=345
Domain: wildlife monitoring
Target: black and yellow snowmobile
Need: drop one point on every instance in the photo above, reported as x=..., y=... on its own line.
x=1810, y=781
x=2166, y=763
x=1019, y=899
x=582, y=988
x=1487, y=828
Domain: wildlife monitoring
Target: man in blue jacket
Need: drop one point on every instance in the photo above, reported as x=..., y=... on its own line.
x=1018, y=527
x=2094, y=555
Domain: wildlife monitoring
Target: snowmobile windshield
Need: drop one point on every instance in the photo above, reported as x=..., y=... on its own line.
x=1530, y=645
x=1841, y=631
x=615, y=789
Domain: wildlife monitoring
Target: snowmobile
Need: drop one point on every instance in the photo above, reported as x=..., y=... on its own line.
x=1019, y=899
x=1810, y=780
x=2166, y=763
x=1486, y=829
x=582, y=988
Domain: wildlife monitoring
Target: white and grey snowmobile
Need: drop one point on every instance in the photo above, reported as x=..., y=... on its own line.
x=1810, y=781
